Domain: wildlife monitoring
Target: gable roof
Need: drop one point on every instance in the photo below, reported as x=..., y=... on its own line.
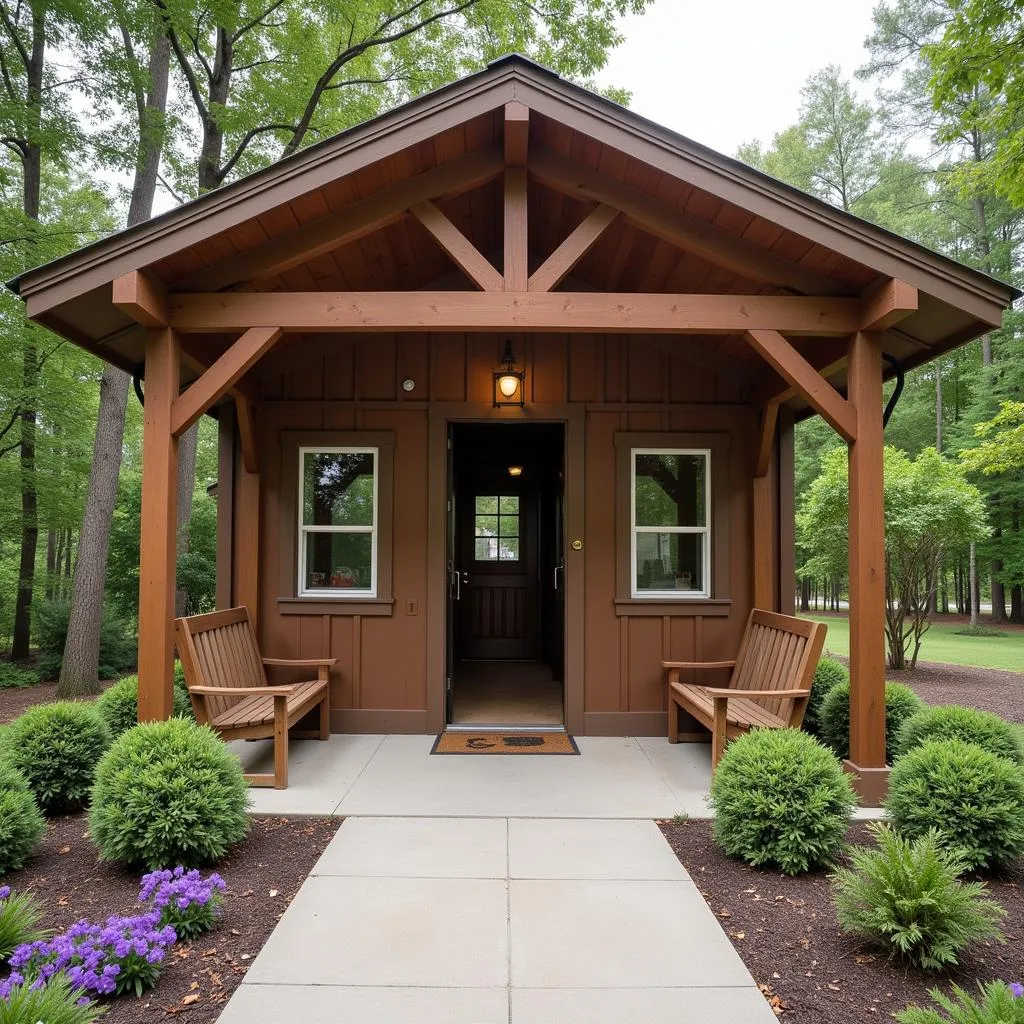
x=72, y=295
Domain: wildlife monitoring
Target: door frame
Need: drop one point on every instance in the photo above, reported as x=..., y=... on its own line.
x=573, y=417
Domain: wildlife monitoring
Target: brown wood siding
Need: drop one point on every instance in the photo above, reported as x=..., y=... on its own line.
x=619, y=384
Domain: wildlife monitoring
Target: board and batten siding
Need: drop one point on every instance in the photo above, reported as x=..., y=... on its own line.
x=386, y=678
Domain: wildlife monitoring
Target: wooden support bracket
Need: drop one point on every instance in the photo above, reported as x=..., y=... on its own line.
x=792, y=366
x=560, y=263
x=465, y=254
x=887, y=303
x=769, y=417
x=141, y=298
x=517, y=133
x=247, y=434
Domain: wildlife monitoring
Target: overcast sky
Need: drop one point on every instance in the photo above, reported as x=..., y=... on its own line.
x=723, y=72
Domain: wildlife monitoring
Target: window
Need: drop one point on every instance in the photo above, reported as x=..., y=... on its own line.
x=496, y=528
x=338, y=516
x=670, y=522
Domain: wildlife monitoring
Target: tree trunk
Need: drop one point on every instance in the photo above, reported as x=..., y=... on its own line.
x=974, y=587
x=79, y=673
x=938, y=407
x=805, y=594
x=1016, y=604
x=52, y=562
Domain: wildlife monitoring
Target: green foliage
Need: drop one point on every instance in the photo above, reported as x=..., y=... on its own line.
x=20, y=914
x=55, y=1003
x=56, y=747
x=998, y=1005
x=14, y=677
x=1001, y=449
x=117, y=647
x=829, y=673
x=21, y=824
x=901, y=703
x=168, y=793
x=951, y=721
x=906, y=897
x=974, y=798
x=118, y=705
x=781, y=799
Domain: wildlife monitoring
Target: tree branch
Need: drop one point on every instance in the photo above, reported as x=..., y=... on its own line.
x=243, y=145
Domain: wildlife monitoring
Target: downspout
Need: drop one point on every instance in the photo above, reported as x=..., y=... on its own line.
x=895, y=396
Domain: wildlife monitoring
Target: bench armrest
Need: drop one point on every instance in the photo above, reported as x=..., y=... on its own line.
x=726, y=693
x=300, y=662
x=243, y=691
x=698, y=664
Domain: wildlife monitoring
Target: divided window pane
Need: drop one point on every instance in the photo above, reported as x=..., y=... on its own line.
x=496, y=528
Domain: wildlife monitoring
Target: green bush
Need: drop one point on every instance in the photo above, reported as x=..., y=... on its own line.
x=15, y=677
x=834, y=718
x=20, y=915
x=55, y=1003
x=952, y=722
x=118, y=705
x=998, y=1005
x=905, y=896
x=974, y=798
x=780, y=798
x=829, y=673
x=168, y=793
x=50, y=626
x=21, y=824
x=56, y=747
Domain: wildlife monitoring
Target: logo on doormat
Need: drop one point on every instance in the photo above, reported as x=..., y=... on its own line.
x=523, y=741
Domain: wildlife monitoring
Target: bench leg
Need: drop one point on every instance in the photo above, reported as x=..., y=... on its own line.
x=280, y=743
x=673, y=720
x=718, y=729
x=325, y=718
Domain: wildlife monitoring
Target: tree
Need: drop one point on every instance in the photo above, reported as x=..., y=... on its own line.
x=1002, y=446
x=930, y=509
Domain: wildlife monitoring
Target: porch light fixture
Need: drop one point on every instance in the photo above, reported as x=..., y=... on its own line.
x=508, y=381
x=515, y=470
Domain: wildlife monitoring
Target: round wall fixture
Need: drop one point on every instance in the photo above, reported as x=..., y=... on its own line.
x=408, y=384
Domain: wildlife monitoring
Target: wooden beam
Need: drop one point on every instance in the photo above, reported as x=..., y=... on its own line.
x=517, y=133
x=764, y=543
x=792, y=366
x=557, y=312
x=141, y=298
x=158, y=536
x=199, y=355
x=867, y=561
x=825, y=366
x=222, y=375
x=517, y=267
x=678, y=228
x=348, y=224
x=552, y=271
x=247, y=435
x=465, y=254
x=769, y=417
x=887, y=303
x=225, y=504
x=245, y=563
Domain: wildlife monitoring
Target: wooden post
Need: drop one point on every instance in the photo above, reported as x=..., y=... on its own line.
x=225, y=503
x=246, y=561
x=765, y=558
x=157, y=528
x=867, y=571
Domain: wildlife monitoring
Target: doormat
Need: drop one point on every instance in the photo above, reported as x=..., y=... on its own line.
x=504, y=743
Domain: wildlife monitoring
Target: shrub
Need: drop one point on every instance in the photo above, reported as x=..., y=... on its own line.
x=56, y=747
x=20, y=915
x=905, y=896
x=118, y=705
x=123, y=955
x=50, y=625
x=952, y=722
x=168, y=793
x=186, y=901
x=974, y=798
x=55, y=1003
x=829, y=673
x=15, y=677
x=834, y=718
x=180, y=685
x=21, y=824
x=999, y=1004
x=780, y=798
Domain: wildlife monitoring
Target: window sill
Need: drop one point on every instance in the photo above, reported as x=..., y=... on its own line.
x=632, y=606
x=335, y=605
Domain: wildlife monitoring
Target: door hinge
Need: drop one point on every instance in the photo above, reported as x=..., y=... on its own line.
x=449, y=683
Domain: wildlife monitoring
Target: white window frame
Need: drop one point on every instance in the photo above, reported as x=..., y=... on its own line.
x=674, y=595
x=338, y=593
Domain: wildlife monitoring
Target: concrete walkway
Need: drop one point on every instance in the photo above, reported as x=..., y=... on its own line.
x=498, y=919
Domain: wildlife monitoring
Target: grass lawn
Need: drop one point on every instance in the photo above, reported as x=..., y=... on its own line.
x=942, y=644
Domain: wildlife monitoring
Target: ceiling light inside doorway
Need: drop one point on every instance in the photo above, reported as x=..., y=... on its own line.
x=515, y=470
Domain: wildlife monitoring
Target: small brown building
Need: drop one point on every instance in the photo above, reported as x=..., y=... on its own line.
x=506, y=382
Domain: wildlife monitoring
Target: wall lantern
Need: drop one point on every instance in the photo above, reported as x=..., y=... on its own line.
x=509, y=383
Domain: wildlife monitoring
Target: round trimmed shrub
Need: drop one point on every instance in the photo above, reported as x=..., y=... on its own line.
x=829, y=673
x=57, y=747
x=21, y=823
x=952, y=722
x=781, y=798
x=972, y=797
x=834, y=719
x=118, y=705
x=168, y=793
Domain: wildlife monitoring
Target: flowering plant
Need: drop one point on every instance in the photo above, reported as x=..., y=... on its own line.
x=57, y=1002
x=186, y=901
x=123, y=955
x=19, y=920
x=996, y=1003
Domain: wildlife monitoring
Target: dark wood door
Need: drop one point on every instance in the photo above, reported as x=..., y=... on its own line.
x=497, y=546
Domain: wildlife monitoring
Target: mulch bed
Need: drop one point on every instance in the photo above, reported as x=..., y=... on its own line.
x=263, y=875
x=786, y=932
x=16, y=699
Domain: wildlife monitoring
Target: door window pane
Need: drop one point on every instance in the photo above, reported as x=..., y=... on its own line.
x=496, y=536
x=670, y=489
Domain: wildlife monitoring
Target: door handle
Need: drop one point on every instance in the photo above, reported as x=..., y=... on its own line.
x=558, y=569
x=457, y=576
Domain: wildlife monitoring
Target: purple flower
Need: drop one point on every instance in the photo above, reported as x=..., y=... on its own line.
x=5, y=891
x=1017, y=989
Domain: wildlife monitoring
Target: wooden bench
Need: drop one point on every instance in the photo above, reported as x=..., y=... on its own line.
x=227, y=681
x=769, y=687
